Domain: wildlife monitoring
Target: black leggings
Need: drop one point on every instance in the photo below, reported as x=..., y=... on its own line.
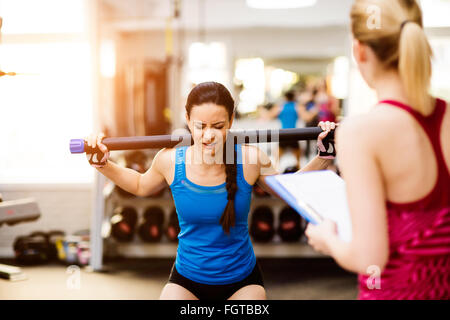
x=215, y=292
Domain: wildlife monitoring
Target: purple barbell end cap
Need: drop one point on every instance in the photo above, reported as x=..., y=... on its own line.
x=76, y=145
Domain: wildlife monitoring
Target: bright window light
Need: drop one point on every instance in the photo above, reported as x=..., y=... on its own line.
x=108, y=59
x=361, y=98
x=250, y=73
x=40, y=112
x=440, y=86
x=279, y=80
x=340, y=77
x=207, y=62
x=280, y=4
x=435, y=13
x=43, y=16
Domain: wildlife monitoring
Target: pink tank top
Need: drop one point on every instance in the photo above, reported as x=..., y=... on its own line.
x=419, y=233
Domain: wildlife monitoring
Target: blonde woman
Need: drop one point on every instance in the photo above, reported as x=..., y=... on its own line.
x=396, y=162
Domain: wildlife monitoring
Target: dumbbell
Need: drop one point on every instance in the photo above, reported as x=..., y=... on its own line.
x=289, y=227
x=123, y=223
x=173, y=228
x=291, y=169
x=32, y=249
x=261, y=226
x=151, y=228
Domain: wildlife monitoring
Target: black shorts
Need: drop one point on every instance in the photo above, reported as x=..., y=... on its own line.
x=215, y=292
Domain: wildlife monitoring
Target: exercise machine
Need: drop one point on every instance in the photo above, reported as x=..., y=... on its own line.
x=11, y=213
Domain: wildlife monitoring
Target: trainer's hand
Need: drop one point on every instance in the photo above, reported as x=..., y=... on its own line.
x=93, y=141
x=321, y=235
x=326, y=150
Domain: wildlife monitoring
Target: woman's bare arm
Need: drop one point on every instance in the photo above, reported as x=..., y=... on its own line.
x=265, y=168
x=134, y=182
x=365, y=193
x=316, y=163
x=125, y=178
x=155, y=178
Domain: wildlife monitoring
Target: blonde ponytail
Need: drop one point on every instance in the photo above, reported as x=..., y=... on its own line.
x=399, y=43
x=415, y=66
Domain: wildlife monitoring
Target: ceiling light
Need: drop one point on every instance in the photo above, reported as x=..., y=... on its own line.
x=280, y=4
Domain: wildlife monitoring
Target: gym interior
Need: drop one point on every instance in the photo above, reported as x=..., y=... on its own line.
x=69, y=68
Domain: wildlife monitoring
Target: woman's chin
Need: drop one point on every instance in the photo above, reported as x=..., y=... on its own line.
x=209, y=151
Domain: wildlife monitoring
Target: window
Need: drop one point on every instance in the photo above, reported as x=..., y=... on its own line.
x=50, y=100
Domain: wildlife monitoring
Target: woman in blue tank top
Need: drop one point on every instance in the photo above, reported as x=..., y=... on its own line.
x=212, y=190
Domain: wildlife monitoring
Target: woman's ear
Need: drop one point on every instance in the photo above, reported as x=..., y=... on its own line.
x=359, y=51
x=231, y=120
x=188, y=122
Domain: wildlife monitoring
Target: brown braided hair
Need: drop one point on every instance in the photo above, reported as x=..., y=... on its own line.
x=214, y=92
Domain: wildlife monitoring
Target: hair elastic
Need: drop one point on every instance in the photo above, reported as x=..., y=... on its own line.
x=403, y=24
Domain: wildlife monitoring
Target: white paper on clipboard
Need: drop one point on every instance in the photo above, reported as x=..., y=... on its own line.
x=324, y=192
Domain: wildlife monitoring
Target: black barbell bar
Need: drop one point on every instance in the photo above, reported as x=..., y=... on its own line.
x=174, y=140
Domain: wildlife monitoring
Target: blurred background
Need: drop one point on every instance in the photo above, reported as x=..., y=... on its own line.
x=72, y=67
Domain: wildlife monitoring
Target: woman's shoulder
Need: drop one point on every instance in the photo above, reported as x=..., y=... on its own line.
x=379, y=119
x=255, y=160
x=250, y=163
x=250, y=152
x=166, y=153
x=372, y=130
x=164, y=159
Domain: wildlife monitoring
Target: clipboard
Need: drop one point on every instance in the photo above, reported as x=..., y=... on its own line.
x=315, y=195
x=305, y=210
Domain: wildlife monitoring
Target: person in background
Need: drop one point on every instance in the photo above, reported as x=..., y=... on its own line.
x=309, y=112
x=288, y=113
x=327, y=105
x=396, y=164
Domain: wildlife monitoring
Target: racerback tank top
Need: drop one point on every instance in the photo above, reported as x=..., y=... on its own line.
x=419, y=232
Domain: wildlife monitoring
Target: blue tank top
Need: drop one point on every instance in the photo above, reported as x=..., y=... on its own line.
x=288, y=115
x=206, y=254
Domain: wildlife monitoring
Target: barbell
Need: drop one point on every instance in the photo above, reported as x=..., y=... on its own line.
x=177, y=140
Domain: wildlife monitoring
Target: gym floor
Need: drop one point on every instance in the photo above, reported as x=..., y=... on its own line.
x=141, y=279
